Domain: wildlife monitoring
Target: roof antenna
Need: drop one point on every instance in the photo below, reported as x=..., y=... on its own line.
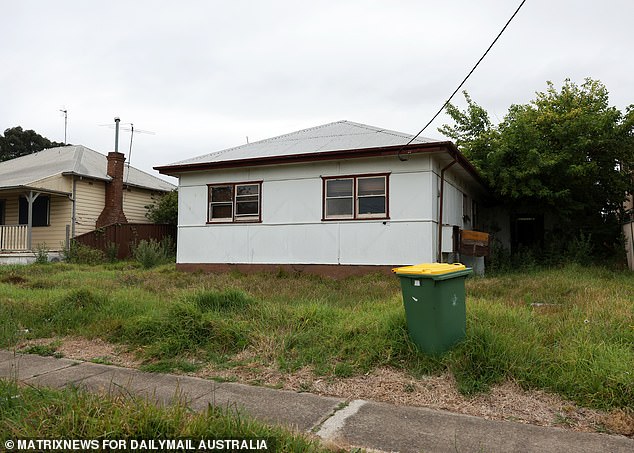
x=132, y=130
x=65, y=112
x=247, y=139
x=130, y=152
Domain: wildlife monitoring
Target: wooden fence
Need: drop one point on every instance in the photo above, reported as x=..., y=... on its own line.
x=125, y=236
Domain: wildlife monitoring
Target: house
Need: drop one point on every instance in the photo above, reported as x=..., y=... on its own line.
x=336, y=198
x=56, y=194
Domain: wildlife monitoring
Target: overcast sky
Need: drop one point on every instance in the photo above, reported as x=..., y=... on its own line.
x=204, y=75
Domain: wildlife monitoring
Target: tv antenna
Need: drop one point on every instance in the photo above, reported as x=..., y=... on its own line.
x=130, y=129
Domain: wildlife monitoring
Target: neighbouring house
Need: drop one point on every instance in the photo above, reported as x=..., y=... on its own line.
x=329, y=199
x=49, y=197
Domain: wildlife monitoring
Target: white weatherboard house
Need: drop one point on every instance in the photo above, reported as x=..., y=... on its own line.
x=328, y=198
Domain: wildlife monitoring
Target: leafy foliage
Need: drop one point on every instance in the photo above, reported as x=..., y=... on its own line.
x=165, y=210
x=152, y=253
x=567, y=153
x=79, y=253
x=17, y=142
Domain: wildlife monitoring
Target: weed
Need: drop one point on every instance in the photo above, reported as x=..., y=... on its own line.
x=101, y=360
x=152, y=253
x=48, y=350
x=185, y=328
x=41, y=253
x=112, y=252
x=526, y=326
x=78, y=253
x=170, y=365
x=229, y=300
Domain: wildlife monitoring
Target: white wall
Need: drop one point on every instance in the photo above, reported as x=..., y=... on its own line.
x=292, y=230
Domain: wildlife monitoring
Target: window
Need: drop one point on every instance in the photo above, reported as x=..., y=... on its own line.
x=2, y=210
x=41, y=211
x=234, y=202
x=356, y=197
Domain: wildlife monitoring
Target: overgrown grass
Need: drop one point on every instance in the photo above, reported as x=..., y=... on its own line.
x=32, y=413
x=568, y=330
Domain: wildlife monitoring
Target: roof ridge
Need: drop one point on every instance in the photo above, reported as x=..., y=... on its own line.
x=386, y=131
x=79, y=154
x=265, y=140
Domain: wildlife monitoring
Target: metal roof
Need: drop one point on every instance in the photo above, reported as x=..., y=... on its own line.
x=71, y=160
x=337, y=136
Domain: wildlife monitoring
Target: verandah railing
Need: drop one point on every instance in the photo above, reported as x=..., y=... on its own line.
x=14, y=237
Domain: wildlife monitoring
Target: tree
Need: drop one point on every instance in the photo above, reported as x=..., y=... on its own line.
x=17, y=142
x=165, y=210
x=567, y=153
x=472, y=131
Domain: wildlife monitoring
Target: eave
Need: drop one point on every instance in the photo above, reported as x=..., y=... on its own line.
x=398, y=151
x=34, y=189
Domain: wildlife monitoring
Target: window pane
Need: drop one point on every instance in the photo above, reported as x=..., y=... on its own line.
x=40, y=211
x=251, y=189
x=221, y=211
x=339, y=207
x=222, y=193
x=371, y=186
x=248, y=198
x=338, y=188
x=372, y=205
x=247, y=208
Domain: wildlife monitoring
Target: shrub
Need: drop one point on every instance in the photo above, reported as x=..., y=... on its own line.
x=112, y=251
x=152, y=253
x=82, y=254
x=165, y=210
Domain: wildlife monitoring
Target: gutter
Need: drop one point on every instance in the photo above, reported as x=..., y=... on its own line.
x=396, y=150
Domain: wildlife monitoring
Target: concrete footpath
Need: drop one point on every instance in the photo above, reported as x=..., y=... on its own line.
x=360, y=423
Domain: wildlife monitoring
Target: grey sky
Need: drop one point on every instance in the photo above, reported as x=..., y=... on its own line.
x=203, y=75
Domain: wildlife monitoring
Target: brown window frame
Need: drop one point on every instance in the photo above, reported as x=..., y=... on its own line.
x=355, y=198
x=234, y=199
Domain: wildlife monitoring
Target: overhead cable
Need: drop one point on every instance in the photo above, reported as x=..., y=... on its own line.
x=463, y=80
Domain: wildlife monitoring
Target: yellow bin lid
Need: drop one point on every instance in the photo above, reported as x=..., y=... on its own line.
x=430, y=269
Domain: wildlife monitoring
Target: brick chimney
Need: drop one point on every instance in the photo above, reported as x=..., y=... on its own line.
x=113, y=209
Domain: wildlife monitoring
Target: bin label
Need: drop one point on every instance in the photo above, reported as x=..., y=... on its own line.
x=415, y=300
x=416, y=282
x=454, y=301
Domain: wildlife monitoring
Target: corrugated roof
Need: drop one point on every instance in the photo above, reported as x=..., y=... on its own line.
x=337, y=136
x=74, y=159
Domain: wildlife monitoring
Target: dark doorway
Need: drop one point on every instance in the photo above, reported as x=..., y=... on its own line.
x=527, y=231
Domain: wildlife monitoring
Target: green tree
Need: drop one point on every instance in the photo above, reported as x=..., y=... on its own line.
x=567, y=152
x=17, y=142
x=165, y=210
x=472, y=131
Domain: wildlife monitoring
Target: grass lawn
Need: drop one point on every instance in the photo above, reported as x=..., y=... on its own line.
x=567, y=330
x=30, y=413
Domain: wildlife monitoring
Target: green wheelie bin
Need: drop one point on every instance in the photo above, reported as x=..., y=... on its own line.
x=434, y=299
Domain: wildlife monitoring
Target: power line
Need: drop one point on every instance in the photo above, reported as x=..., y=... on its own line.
x=463, y=80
